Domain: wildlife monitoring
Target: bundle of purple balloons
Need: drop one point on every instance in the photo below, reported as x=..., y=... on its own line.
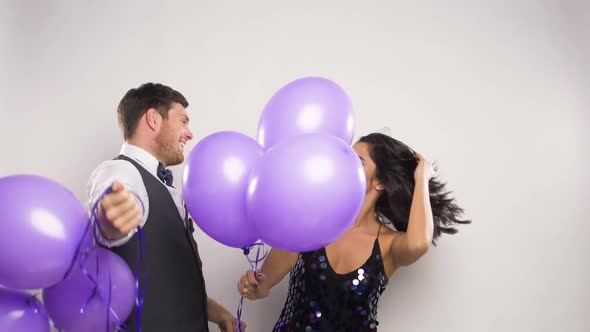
x=47, y=242
x=298, y=188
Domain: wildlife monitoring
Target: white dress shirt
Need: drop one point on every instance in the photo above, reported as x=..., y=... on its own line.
x=125, y=173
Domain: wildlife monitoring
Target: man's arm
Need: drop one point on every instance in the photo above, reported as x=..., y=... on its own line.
x=120, y=212
x=217, y=314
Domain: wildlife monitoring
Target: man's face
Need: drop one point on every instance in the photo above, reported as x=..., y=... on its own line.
x=173, y=136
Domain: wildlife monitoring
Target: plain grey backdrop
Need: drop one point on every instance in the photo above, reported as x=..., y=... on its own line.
x=498, y=92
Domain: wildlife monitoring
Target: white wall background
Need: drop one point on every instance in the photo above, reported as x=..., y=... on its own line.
x=497, y=91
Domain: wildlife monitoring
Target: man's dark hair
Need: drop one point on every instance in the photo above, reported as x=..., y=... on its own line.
x=138, y=100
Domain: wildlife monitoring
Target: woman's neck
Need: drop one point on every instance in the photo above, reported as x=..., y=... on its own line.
x=366, y=217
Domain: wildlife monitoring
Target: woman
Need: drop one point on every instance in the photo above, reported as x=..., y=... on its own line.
x=337, y=288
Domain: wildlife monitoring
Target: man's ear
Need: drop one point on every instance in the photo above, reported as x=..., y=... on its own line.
x=153, y=119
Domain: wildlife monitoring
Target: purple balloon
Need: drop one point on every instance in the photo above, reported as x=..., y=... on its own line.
x=306, y=192
x=41, y=223
x=306, y=105
x=21, y=312
x=65, y=301
x=215, y=184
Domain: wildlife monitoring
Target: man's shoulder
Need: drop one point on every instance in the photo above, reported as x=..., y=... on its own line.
x=119, y=167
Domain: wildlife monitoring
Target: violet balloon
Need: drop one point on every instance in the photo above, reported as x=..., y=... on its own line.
x=41, y=223
x=306, y=105
x=77, y=305
x=215, y=184
x=21, y=312
x=306, y=192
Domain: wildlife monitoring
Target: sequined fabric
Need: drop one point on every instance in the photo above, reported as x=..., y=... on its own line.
x=321, y=300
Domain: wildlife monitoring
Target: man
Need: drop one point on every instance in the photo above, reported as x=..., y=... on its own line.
x=154, y=122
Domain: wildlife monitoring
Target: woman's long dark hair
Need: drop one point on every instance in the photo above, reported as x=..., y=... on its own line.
x=395, y=165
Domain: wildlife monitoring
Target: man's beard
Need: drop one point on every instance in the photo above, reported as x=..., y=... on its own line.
x=168, y=151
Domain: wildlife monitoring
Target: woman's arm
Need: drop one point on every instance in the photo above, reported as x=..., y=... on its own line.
x=256, y=285
x=408, y=247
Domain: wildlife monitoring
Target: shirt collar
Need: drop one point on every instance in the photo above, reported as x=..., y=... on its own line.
x=146, y=159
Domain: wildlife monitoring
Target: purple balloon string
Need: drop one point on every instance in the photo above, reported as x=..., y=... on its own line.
x=139, y=293
x=34, y=302
x=109, y=304
x=78, y=251
x=240, y=306
x=84, y=256
x=254, y=265
x=92, y=280
x=121, y=327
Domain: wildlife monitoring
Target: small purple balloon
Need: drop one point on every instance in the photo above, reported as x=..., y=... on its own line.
x=21, y=312
x=306, y=192
x=80, y=304
x=42, y=224
x=215, y=184
x=306, y=105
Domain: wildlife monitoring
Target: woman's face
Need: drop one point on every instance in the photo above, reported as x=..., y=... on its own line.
x=363, y=151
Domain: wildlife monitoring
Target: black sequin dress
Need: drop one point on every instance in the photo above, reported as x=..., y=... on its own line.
x=321, y=300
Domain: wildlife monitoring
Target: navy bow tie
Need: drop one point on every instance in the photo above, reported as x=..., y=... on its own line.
x=165, y=174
